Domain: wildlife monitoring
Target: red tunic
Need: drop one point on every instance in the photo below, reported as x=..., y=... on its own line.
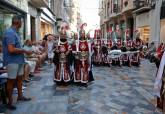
x=83, y=46
x=129, y=43
x=82, y=65
x=73, y=47
x=63, y=47
x=109, y=43
x=119, y=43
x=62, y=68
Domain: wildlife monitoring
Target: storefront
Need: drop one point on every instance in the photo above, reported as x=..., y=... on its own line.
x=162, y=30
x=143, y=25
x=144, y=33
x=46, y=28
x=7, y=11
x=47, y=22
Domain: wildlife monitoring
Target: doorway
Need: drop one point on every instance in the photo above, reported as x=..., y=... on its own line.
x=33, y=28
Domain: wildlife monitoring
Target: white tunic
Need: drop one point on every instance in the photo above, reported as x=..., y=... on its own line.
x=50, y=50
x=158, y=81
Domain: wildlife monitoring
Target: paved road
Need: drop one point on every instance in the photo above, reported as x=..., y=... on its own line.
x=116, y=90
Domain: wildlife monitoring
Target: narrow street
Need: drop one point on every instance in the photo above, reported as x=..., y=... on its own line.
x=116, y=90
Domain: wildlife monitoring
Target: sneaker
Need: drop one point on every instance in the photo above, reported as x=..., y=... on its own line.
x=23, y=99
x=11, y=107
x=31, y=75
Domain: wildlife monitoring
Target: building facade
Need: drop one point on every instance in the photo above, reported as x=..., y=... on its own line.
x=117, y=18
x=9, y=8
x=126, y=17
x=40, y=19
x=74, y=15
x=68, y=12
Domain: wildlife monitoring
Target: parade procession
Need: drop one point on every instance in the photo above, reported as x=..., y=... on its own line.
x=82, y=56
x=117, y=52
x=75, y=57
x=73, y=61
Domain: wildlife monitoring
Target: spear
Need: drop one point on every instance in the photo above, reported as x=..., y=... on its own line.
x=77, y=47
x=58, y=40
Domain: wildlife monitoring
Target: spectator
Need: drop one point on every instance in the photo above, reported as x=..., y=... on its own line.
x=33, y=60
x=2, y=68
x=13, y=56
x=51, y=46
x=152, y=48
x=160, y=50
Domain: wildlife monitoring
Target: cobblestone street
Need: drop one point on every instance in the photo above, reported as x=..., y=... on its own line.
x=116, y=90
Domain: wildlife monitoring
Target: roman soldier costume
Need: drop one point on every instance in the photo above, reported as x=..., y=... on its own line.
x=82, y=63
x=97, y=48
x=62, y=72
x=138, y=42
x=119, y=43
x=129, y=44
x=109, y=43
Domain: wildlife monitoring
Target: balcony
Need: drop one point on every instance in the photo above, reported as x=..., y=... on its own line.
x=39, y=3
x=141, y=6
x=127, y=5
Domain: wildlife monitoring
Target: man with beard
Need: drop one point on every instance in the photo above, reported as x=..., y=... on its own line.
x=62, y=71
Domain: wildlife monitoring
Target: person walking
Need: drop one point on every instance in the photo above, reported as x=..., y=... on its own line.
x=13, y=56
x=51, y=47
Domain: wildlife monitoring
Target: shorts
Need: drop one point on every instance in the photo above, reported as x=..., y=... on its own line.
x=14, y=70
x=32, y=65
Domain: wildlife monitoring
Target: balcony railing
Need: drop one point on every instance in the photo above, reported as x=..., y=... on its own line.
x=117, y=8
x=142, y=5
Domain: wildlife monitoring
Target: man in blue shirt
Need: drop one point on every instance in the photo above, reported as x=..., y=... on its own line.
x=13, y=57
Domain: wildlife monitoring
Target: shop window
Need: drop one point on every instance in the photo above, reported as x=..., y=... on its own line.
x=162, y=35
x=162, y=15
x=145, y=33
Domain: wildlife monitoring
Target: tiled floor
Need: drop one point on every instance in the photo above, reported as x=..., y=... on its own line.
x=116, y=90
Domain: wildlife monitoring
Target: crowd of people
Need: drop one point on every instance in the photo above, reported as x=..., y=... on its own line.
x=19, y=63
x=72, y=61
x=107, y=52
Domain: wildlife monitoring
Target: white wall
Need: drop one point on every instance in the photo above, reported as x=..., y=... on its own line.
x=143, y=20
x=148, y=19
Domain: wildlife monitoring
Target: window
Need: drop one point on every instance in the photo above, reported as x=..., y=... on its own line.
x=162, y=15
x=163, y=3
x=108, y=6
